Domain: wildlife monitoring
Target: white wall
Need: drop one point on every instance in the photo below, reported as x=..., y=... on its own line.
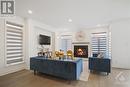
x=34, y=28
x=87, y=34
x=4, y=69
x=31, y=31
x=120, y=31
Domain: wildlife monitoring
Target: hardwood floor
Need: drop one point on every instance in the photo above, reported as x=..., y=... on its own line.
x=26, y=78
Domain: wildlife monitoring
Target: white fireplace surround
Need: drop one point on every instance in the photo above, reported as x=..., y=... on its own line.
x=82, y=44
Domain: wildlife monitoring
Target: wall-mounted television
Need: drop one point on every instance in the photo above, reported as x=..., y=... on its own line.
x=44, y=40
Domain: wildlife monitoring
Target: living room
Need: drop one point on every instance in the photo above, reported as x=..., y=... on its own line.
x=71, y=26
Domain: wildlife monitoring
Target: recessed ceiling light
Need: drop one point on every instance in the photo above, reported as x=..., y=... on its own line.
x=98, y=25
x=30, y=11
x=69, y=20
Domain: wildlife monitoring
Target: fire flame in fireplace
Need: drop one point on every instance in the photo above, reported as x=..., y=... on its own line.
x=80, y=51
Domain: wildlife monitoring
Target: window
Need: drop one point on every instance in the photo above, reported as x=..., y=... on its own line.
x=14, y=43
x=101, y=43
x=66, y=43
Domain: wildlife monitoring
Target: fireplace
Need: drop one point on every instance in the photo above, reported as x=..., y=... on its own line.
x=81, y=51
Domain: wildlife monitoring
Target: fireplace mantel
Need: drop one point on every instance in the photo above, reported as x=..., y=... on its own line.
x=80, y=42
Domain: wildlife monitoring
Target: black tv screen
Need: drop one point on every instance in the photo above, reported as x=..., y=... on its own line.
x=44, y=40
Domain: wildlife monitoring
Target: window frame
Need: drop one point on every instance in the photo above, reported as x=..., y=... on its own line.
x=107, y=46
x=14, y=25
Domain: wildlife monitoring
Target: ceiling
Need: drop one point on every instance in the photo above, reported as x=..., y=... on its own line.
x=84, y=13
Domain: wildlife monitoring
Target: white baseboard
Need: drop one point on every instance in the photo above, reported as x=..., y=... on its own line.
x=11, y=69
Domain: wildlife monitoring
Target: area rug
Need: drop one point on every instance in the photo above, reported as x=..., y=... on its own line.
x=85, y=74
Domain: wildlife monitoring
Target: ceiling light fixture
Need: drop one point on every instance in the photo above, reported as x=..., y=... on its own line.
x=98, y=25
x=69, y=20
x=30, y=11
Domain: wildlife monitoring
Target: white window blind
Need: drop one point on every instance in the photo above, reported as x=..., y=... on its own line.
x=14, y=43
x=101, y=44
x=109, y=45
x=66, y=43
